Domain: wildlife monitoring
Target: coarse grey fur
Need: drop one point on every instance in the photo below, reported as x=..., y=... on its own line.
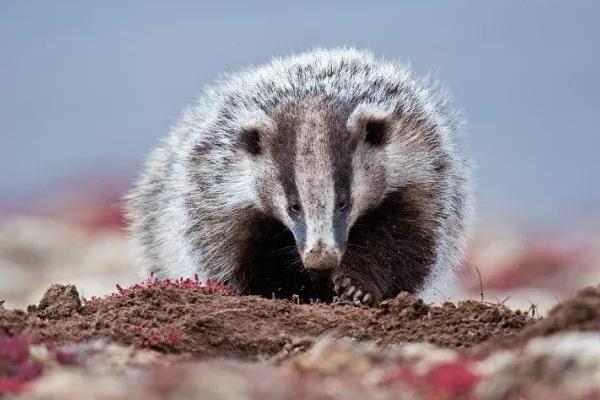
x=296, y=135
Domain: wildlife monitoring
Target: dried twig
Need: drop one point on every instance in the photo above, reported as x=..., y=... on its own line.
x=532, y=309
x=480, y=282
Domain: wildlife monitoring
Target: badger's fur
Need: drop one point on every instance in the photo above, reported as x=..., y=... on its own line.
x=326, y=172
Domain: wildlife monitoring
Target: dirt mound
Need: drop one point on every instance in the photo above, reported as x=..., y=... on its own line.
x=579, y=313
x=59, y=301
x=183, y=317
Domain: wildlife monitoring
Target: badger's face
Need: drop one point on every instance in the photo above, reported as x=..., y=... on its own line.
x=320, y=165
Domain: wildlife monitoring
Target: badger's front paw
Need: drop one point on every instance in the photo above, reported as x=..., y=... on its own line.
x=351, y=289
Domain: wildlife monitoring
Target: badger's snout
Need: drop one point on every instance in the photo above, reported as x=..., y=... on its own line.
x=321, y=257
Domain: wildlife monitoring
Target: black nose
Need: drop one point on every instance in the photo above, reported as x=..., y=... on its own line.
x=319, y=248
x=320, y=261
x=320, y=257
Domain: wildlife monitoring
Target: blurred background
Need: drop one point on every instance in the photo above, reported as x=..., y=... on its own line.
x=88, y=88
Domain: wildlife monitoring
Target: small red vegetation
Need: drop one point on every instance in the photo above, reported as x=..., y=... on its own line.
x=153, y=282
x=536, y=261
x=157, y=338
x=95, y=208
x=16, y=366
x=211, y=287
x=452, y=379
x=66, y=357
x=548, y=263
x=194, y=283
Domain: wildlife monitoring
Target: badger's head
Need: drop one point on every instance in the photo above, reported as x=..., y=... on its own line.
x=318, y=165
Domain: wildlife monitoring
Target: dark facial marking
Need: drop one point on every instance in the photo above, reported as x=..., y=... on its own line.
x=283, y=150
x=250, y=141
x=341, y=149
x=375, y=132
x=295, y=210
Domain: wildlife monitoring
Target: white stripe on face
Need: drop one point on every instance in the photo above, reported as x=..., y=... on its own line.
x=315, y=183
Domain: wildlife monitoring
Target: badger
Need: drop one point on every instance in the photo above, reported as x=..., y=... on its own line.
x=326, y=174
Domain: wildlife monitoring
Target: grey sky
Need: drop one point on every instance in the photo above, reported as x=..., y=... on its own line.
x=88, y=86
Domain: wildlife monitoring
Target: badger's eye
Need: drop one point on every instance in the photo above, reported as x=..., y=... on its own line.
x=295, y=208
x=341, y=205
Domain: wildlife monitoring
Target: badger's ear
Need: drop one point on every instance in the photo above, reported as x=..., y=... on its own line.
x=370, y=123
x=250, y=141
x=254, y=132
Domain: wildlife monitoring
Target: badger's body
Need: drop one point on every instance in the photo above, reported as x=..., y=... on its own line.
x=328, y=172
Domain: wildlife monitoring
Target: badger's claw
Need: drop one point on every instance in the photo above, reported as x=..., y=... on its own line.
x=361, y=297
x=340, y=285
x=349, y=292
x=344, y=288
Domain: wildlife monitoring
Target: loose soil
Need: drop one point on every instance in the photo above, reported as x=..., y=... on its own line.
x=183, y=317
x=581, y=313
x=186, y=321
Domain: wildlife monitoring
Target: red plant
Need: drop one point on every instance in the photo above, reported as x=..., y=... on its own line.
x=153, y=337
x=450, y=380
x=16, y=367
x=194, y=283
x=66, y=357
x=213, y=286
x=453, y=377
